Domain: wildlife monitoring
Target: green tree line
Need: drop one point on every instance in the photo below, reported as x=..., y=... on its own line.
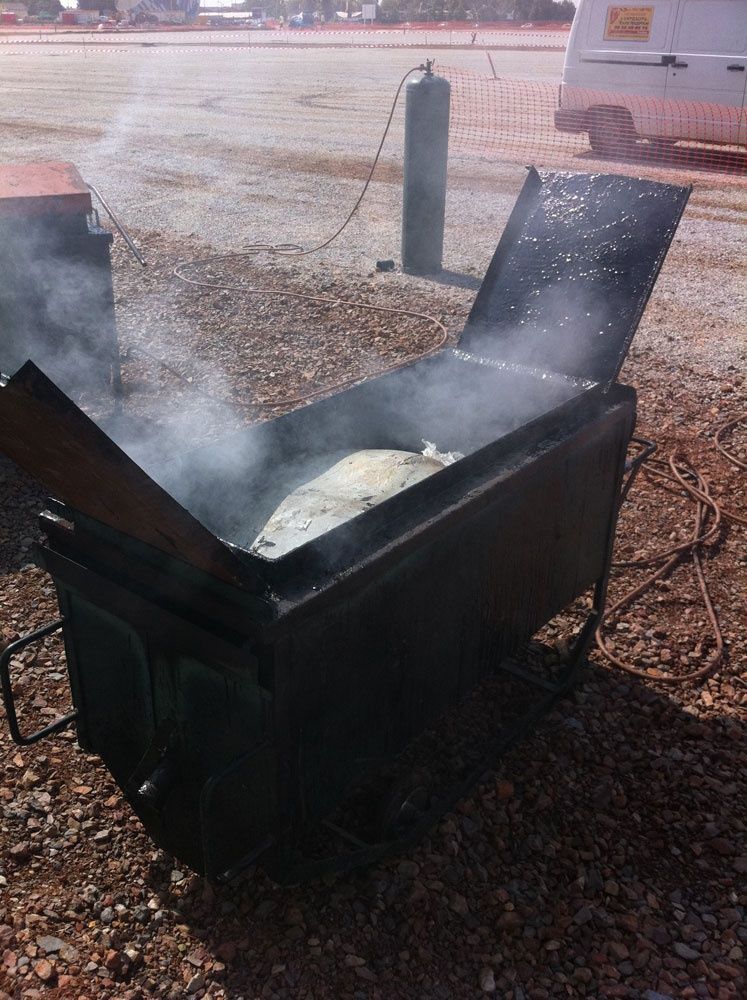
x=390, y=11
x=394, y=11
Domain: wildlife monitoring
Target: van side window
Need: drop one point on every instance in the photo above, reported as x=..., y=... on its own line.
x=711, y=26
x=633, y=26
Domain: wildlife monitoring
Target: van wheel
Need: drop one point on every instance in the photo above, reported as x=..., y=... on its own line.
x=611, y=132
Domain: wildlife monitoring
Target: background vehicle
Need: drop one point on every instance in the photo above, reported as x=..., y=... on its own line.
x=303, y=20
x=662, y=70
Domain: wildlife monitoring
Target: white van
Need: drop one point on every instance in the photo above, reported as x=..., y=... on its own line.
x=662, y=70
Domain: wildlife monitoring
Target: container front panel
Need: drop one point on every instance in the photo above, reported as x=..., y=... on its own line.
x=198, y=728
x=376, y=669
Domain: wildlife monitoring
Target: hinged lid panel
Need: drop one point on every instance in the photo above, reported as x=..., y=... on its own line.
x=45, y=433
x=573, y=272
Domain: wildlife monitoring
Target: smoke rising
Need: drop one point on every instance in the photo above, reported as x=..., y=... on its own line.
x=56, y=304
x=552, y=320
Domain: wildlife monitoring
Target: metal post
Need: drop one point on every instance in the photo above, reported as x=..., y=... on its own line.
x=424, y=184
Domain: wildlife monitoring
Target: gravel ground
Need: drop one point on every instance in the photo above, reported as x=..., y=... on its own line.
x=229, y=147
x=604, y=857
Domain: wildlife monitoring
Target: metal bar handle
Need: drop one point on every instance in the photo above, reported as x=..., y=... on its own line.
x=633, y=465
x=7, y=687
x=121, y=229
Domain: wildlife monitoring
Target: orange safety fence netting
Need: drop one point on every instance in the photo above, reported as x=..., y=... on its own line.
x=513, y=119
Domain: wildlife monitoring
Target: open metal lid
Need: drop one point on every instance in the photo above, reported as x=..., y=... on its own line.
x=573, y=272
x=44, y=432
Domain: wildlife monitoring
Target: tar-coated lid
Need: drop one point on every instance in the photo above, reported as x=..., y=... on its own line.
x=573, y=271
x=29, y=190
x=44, y=432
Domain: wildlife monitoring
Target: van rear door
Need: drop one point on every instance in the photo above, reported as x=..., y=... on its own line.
x=710, y=68
x=625, y=47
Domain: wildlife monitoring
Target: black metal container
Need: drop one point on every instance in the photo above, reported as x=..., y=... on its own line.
x=236, y=698
x=56, y=296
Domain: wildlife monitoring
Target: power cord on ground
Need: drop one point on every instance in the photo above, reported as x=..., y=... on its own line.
x=718, y=442
x=184, y=273
x=684, y=478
